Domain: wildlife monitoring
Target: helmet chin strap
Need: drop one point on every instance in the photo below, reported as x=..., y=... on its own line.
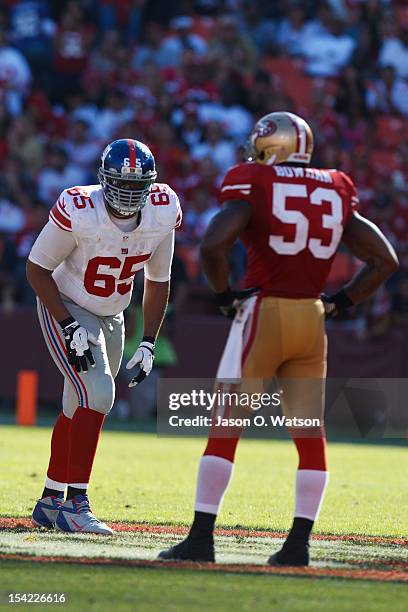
x=118, y=215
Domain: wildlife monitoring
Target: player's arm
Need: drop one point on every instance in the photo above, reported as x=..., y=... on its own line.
x=223, y=231
x=52, y=246
x=45, y=287
x=155, y=299
x=366, y=242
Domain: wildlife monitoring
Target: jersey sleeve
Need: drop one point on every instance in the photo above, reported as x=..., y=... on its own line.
x=158, y=268
x=60, y=214
x=52, y=246
x=238, y=184
x=179, y=212
x=166, y=204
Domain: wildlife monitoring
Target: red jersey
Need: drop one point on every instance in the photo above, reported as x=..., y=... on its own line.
x=297, y=221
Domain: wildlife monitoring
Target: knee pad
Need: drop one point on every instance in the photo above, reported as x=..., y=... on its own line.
x=101, y=399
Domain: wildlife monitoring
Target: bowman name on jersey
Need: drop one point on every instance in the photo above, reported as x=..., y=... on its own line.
x=95, y=257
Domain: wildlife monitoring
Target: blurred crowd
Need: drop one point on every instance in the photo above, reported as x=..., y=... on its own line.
x=190, y=77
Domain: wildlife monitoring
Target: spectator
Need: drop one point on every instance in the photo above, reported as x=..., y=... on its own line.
x=125, y=15
x=12, y=218
x=115, y=112
x=57, y=175
x=81, y=148
x=15, y=76
x=149, y=48
x=351, y=94
x=24, y=143
x=31, y=31
x=173, y=47
x=232, y=49
x=394, y=52
x=260, y=29
x=327, y=53
x=388, y=93
x=7, y=267
x=189, y=128
x=215, y=147
x=72, y=43
x=294, y=31
x=261, y=93
x=191, y=82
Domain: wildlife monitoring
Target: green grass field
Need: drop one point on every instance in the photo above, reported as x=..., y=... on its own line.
x=145, y=590
x=141, y=477
x=145, y=479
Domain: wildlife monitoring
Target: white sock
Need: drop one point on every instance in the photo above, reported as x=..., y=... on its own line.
x=310, y=488
x=79, y=485
x=54, y=484
x=214, y=475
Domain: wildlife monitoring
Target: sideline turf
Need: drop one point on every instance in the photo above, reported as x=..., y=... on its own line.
x=140, y=477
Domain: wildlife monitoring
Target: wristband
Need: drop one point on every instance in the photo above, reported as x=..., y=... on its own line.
x=66, y=322
x=150, y=339
x=225, y=298
x=341, y=300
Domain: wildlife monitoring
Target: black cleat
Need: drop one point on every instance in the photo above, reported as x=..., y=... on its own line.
x=191, y=549
x=294, y=556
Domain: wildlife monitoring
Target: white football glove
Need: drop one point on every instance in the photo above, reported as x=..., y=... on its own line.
x=144, y=358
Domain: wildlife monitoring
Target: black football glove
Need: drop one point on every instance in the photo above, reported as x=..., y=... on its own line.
x=336, y=303
x=77, y=340
x=230, y=300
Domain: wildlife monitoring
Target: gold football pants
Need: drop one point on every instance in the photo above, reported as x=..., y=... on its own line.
x=288, y=341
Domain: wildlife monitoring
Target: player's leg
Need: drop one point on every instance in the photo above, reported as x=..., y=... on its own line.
x=261, y=354
x=95, y=392
x=46, y=508
x=302, y=381
x=57, y=472
x=86, y=427
x=214, y=475
x=114, y=332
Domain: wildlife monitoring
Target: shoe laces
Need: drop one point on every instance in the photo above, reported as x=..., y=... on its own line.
x=82, y=507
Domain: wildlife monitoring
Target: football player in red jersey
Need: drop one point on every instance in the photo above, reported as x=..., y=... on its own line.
x=291, y=219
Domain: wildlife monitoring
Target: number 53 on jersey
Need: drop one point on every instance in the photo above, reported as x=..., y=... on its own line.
x=297, y=221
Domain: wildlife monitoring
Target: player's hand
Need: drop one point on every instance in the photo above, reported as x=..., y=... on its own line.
x=77, y=340
x=143, y=358
x=230, y=300
x=335, y=304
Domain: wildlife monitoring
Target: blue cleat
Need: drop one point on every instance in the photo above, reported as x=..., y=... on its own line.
x=75, y=516
x=46, y=510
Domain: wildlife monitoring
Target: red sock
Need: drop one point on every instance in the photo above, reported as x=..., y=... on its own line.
x=85, y=431
x=60, y=444
x=222, y=447
x=311, y=449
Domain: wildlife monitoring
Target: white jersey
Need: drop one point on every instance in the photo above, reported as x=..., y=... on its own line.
x=99, y=270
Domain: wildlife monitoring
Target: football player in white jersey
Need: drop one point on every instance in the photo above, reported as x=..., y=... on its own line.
x=82, y=267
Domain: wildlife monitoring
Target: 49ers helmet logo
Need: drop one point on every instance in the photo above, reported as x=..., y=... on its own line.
x=265, y=128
